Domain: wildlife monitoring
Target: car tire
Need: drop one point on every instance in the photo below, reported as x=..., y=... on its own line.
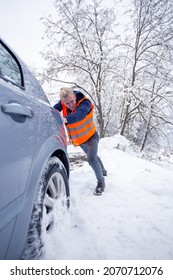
x=53, y=190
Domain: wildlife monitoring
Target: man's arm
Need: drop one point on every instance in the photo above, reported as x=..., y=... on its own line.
x=58, y=106
x=81, y=111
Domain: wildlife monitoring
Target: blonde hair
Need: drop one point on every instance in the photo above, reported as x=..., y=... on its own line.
x=64, y=92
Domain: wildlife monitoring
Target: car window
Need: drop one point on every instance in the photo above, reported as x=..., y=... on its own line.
x=9, y=67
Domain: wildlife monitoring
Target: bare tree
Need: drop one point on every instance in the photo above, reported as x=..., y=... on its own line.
x=129, y=81
x=148, y=59
x=81, y=50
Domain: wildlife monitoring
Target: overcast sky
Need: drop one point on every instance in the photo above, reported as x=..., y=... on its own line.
x=21, y=28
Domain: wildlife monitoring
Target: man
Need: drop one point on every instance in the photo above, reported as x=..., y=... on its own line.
x=77, y=111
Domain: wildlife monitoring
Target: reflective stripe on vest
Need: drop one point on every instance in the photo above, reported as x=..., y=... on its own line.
x=80, y=131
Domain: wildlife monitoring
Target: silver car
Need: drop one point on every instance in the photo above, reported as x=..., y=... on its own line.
x=34, y=166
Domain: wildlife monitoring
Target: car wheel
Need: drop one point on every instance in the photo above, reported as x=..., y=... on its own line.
x=52, y=200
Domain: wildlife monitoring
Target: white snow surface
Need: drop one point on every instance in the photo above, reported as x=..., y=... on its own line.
x=132, y=220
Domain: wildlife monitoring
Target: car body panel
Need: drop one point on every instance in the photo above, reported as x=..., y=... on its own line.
x=15, y=165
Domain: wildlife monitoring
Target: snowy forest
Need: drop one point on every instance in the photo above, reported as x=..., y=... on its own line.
x=120, y=55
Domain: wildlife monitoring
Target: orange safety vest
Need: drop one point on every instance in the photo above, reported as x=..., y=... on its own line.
x=79, y=132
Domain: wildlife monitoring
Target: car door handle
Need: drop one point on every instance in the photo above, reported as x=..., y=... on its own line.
x=15, y=108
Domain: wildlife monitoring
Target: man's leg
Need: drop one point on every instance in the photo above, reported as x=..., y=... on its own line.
x=90, y=148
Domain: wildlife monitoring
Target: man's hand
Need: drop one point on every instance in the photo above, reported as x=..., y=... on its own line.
x=64, y=120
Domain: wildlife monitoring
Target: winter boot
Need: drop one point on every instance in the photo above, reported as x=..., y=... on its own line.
x=100, y=187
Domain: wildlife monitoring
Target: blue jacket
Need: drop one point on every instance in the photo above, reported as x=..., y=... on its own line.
x=81, y=111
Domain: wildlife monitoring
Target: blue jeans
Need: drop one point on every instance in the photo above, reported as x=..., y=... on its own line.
x=90, y=147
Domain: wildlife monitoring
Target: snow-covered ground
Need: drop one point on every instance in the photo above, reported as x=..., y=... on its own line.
x=132, y=220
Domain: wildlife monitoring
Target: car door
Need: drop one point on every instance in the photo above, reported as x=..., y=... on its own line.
x=19, y=120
